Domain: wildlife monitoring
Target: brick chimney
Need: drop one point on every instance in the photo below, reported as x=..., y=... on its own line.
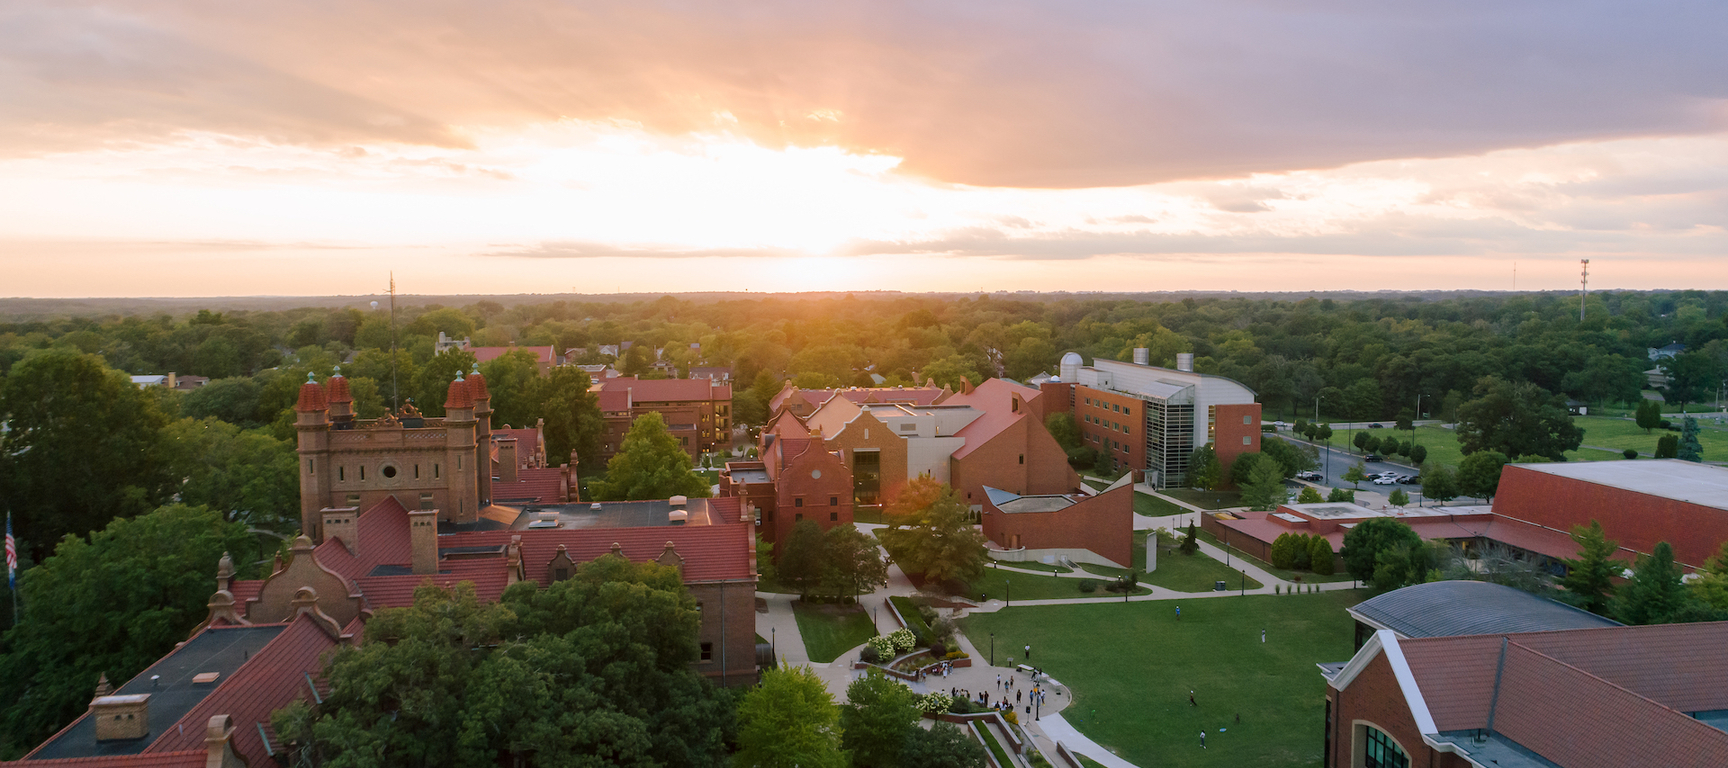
x=423, y=540
x=121, y=718
x=343, y=523
x=507, y=465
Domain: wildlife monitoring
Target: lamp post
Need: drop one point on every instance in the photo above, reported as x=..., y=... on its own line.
x=1007, y=592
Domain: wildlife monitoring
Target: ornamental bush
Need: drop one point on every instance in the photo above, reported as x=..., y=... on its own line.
x=1088, y=586
x=869, y=655
x=884, y=646
x=1283, y=553
x=903, y=640
x=1320, y=553
x=935, y=703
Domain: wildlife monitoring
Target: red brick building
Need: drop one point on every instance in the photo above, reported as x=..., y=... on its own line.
x=798, y=479
x=1149, y=418
x=1571, y=698
x=698, y=412
x=1063, y=524
x=1639, y=503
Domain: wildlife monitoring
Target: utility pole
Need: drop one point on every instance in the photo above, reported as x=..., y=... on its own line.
x=1583, y=286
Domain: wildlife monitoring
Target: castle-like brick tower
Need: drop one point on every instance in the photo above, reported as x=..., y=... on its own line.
x=426, y=463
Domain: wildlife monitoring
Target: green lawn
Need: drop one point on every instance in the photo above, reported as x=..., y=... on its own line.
x=830, y=630
x=1131, y=665
x=1183, y=573
x=1620, y=434
x=1089, y=762
x=1034, y=565
x=991, y=742
x=1019, y=586
x=909, y=612
x=1153, y=506
x=1308, y=577
x=1205, y=499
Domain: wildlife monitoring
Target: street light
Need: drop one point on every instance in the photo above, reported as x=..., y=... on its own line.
x=1008, y=592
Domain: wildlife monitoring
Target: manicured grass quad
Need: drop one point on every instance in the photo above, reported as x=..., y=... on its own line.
x=830, y=630
x=1183, y=573
x=1001, y=585
x=1130, y=667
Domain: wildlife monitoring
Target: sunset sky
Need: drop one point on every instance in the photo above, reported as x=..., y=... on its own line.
x=187, y=148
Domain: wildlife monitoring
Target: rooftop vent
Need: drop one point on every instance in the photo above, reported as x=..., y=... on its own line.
x=205, y=678
x=677, y=517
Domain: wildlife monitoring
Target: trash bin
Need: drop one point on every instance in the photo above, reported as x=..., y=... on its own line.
x=1218, y=586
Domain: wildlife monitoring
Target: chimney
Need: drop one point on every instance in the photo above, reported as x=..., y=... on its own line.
x=121, y=718
x=1142, y=356
x=343, y=523
x=1185, y=361
x=423, y=540
x=507, y=460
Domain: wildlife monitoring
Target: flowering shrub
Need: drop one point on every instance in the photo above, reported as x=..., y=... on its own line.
x=935, y=703
x=884, y=646
x=903, y=640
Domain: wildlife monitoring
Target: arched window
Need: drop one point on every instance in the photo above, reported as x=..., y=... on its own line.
x=1380, y=751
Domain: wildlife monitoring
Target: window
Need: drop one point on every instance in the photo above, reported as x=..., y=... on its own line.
x=833, y=517
x=798, y=518
x=560, y=574
x=434, y=471
x=1115, y=407
x=1125, y=411
x=1246, y=420
x=388, y=471
x=1379, y=751
x=311, y=469
x=1247, y=440
x=1022, y=458
x=416, y=471
x=362, y=472
x=341, y=473
x=797, y=502
x=833, y=501
x=707, y=651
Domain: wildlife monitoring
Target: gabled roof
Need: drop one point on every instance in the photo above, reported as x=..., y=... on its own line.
x=711, y=552
x=274, y=676
x=535, y=485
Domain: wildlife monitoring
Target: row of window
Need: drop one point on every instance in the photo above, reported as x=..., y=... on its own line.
x=1114, y=426
x=389, y=471
x=1115, y=407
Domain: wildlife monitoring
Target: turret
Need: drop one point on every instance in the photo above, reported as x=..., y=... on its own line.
x=482, y=434
x=312, y=428
x=341, y=403
x=460, y=447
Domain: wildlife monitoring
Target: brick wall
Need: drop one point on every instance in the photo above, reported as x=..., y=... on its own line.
x=815, y=485
x=1634, y=520
x=1230, y=436
x=1375, y=698
x=1113, y=424
x=1022, y=459
x=728, y=627
x=1103, y=524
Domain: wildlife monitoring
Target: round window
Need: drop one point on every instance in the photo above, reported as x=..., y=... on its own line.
x=815, y=474
x=389, y=471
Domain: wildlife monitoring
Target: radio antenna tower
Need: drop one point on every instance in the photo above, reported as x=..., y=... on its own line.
x=1583, y=287
x=395, y=392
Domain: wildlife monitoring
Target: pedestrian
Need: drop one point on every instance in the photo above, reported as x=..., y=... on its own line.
x=1238, y=718
x=998, y=681
x=1191, y=699
x=1262, y=635
x=1018, y=695
x=1202, y=739
x=1178, y=613
x=1028, y=654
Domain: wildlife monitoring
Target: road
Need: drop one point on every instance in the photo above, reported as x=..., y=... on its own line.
x=1334, y=462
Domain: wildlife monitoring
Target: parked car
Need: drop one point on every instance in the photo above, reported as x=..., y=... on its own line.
x=1310, y=476
x=1384, y=481
x=1373, y=457
x=1376, y=426
x=1406, y=479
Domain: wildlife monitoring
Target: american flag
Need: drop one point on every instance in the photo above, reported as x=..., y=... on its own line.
x=11, y=556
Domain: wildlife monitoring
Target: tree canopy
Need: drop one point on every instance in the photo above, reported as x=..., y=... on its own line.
x=1365, y=542
x=1589, y=580
x=110, y=604
x=938, y=541
x=591, y=671
x=650, y=464
x=1517, y=419
x=789, y=721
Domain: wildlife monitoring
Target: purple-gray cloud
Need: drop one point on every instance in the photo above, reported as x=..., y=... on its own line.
x=1007, y=93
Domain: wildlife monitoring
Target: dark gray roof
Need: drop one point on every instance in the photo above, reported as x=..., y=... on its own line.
x=1448, y=608
x=218, y=649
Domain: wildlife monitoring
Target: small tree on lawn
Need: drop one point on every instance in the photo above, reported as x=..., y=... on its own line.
x=1655, y=593
x=877, y=716
x=1398, y=498
x=1320, y=555
x=1364, y=543
x=1438, y=482
x=1689, y=449
x=1356, y=474
x=802, y=560
x=1479, y=474
x=1206, y=472
x=1190, y=544
x=1341, y=494
x=1648, y=415
x=1361, y=441
x=852, y=563
x=1309, y=496
x=1417, y=454
x=1667, y=447
x=938, y=542
x=1265, y=488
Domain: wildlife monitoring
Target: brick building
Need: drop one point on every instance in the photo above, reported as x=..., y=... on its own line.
x=1080, y=527
x=989, y=436
x=698, y=412
x=797, y=479
x=1575, y=698
x=1149, y=418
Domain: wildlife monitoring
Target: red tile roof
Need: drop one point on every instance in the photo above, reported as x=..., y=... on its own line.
x=488, y=576
x=477, y=386
x=994, y=398
x=337, y=389
x=482, y=354
x=710, y=552
x=1567, y=680
x=311, y=398
x=614, y=402
x=536, y=485
x=667, y=390
x=269, y=680
x=458, y=395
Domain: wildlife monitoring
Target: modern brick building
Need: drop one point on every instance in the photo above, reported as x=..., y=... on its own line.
x=698, y=412
x=1149, y=418
x=798, y=479
x=1580, y=698
x=989, y=436
x=1077, y=526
